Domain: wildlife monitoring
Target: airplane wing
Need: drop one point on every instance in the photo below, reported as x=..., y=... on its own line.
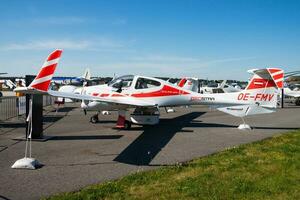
x=127, y=100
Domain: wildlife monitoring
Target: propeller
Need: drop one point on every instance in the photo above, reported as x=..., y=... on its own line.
x=86, y=77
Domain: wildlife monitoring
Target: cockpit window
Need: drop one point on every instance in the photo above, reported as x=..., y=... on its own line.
x=122, y=81
x=144, y=83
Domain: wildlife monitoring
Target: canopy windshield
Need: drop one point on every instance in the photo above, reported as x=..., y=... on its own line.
x=122, y=81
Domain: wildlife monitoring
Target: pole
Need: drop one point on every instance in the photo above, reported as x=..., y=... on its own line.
x=282, y=98
x=37, y=112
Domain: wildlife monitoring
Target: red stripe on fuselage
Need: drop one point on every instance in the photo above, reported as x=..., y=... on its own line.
x=117, y=95
x=165, y=91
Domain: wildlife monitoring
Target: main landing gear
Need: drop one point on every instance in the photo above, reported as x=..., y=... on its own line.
x=95, y=118
x=127, y=125
x=122, y=123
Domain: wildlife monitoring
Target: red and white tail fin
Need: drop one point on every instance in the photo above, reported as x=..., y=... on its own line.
x=189, y=84
x=182, y=82
x=266, y=78
x=264, y=85
x=43, y=79
x=260, y=96
x=277, y=75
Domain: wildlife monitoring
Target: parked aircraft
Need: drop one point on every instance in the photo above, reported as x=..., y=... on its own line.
x=75, y=89
x=189, y=83
x=220, y=88
x=291, y=93
x=146, y=95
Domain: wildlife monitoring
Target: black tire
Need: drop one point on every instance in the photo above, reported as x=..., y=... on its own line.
x=127, y=125
x=94, y=119
x=297, y=102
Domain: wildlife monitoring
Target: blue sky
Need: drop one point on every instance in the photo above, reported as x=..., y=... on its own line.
x=216, y=39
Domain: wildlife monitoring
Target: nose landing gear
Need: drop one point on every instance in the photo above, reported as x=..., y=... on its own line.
x=94, y=119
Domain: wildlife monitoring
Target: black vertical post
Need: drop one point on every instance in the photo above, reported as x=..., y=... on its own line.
x=37, y=116
x=282, y=98
x=37, y=111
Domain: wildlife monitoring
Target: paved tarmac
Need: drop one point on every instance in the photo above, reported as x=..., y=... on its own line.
x=81, y=153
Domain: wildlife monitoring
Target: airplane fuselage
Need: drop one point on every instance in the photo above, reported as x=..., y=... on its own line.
x=165, y=94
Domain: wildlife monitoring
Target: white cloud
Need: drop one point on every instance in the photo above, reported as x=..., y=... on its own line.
x=47, y=44
x=98, y=44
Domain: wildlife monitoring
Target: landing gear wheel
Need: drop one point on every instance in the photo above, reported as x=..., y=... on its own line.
x=297, y=102
x=94, y=119
x=127, y=125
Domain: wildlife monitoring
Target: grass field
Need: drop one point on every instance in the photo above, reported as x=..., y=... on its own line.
x=268, y=169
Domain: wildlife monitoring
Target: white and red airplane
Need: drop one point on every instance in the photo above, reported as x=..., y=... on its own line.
x=146, y=95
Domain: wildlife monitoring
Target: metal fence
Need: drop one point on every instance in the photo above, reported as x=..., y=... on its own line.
x=15, y=106
x=8, y=107
x=48, y=100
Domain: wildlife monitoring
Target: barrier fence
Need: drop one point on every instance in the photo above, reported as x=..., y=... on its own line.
x=16, y=106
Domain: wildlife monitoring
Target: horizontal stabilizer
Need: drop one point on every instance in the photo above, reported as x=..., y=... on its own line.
x=245, y=110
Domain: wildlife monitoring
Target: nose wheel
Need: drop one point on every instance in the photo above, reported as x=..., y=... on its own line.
x=94, y=119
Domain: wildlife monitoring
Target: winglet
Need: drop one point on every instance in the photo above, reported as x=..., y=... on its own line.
x=43, y=79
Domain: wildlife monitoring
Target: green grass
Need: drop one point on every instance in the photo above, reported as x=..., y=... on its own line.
x=269, y=169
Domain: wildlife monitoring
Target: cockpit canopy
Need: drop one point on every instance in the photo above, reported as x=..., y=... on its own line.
x=122, y=81
x=139, y=82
